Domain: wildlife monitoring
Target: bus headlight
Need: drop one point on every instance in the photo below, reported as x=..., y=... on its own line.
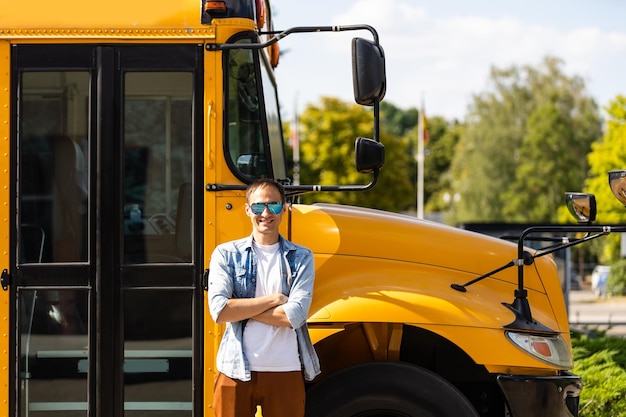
x=551, y=349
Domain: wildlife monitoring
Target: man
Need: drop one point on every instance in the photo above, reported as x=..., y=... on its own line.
x=261, y=287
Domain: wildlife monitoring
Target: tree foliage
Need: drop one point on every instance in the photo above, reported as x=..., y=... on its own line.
x=398, y=122
x=440, y=148
x=524, y=145
x=606, y=155
x=327, y=136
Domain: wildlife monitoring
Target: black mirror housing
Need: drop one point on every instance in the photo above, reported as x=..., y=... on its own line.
x=369, y=155
x=368, y=72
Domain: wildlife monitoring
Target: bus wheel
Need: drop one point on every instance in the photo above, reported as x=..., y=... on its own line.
x=389, y=389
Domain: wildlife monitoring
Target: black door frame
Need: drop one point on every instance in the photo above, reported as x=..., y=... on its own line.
x=106, y=65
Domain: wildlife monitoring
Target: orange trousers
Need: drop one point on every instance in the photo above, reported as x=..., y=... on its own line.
x=280, y=394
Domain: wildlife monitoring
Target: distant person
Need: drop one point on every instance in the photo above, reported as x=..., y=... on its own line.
x=261, y=286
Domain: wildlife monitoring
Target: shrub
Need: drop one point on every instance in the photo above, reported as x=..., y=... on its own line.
x=616, y=284
x=601, y=362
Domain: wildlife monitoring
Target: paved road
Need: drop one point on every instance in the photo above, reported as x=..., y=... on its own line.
x=587, y=310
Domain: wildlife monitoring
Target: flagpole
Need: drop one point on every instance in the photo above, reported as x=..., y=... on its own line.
x=420, y=162
x=296, y=144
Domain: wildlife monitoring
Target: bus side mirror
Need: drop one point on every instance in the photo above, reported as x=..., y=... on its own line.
x=582, y=206
x=617, y=182
x=368, y=72
x=369, y=155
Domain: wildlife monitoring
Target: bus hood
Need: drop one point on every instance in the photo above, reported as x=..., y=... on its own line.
x=336, y=230
x=379, y=267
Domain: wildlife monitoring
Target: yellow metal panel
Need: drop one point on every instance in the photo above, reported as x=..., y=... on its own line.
x=120, y=20
x=372, y=234
x=111, y=13
x=225, y=208
x=372, y=267
x=212, y=133
x=4, y=219
x=357, y=290
x=489, y=347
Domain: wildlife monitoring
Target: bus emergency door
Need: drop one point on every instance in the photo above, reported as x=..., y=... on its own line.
x=106, y=277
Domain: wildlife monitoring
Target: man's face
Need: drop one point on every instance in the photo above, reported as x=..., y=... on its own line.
x=265, y=225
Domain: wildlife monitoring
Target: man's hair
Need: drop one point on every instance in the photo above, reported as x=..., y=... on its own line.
x=265, y=182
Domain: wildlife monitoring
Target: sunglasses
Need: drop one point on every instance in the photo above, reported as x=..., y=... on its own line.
x=274, y=207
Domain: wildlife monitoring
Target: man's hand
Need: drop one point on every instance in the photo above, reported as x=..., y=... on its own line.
x=280, y=299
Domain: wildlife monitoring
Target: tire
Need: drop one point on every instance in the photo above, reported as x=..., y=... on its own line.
x=386, y=389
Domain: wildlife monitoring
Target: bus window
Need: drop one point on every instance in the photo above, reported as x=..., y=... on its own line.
x=274, y=127
x=54, y=169
x=157, y=167
x=245, y=135
x=53, y=331
x=158, y=346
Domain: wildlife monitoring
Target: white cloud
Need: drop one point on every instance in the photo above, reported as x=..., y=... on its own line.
x=445, y=58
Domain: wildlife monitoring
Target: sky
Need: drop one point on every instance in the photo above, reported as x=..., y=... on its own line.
x=439, y=53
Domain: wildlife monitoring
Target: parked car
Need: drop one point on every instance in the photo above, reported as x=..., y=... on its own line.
x=599, y=278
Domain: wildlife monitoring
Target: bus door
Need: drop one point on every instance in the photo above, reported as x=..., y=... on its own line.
x=106, y=276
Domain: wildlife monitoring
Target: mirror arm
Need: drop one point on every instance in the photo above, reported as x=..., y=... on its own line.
x=600, y=230
x=520, y=306
x=317, y=188
x=547, y=251
x=278, y=35
x=377, y=121
x=569, y=244
x=462, y=287
x=301, y=189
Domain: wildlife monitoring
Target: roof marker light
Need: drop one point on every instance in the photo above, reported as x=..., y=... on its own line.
x=215, y=6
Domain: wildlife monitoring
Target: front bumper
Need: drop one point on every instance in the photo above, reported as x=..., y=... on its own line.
x=534, y=396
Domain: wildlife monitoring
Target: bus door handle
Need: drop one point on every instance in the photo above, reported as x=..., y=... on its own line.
x=5, y=280
x=205, y=280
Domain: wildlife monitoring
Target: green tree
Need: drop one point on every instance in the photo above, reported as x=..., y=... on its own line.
x=403, y=124
x=439, y=149
x=539, y=184
x=606, y=155
x=443, y=137
x=327, y=138
x=397, y=121
x=524, y=145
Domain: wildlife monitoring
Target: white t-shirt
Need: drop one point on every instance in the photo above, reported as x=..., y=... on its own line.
x=269, y=348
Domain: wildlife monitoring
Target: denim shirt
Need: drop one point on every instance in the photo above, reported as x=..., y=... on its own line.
x=232, y=274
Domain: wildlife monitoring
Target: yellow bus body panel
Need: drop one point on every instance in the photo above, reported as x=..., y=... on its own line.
x=81, y=15
x=373, y=266
x=5, y=151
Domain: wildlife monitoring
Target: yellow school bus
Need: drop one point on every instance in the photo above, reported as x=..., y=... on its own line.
x=128, y=133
